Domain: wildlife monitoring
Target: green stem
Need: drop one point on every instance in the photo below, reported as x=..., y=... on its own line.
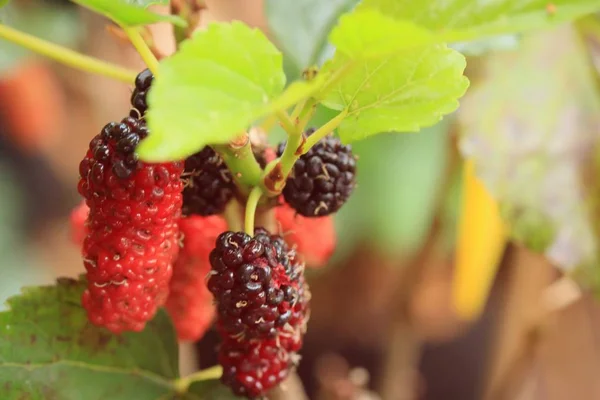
x=324, y=131
x=241, y=162
x=142, y=47
x=286, y=122
x=291, y=152
x=277, y=171
x=307, y=113
x=251, y=205
x=297, y=110
x=67, y=56
x=182, y=384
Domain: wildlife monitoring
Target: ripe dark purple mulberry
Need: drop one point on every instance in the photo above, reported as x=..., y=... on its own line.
x=262, y=303
x=209, y=185
x=322, y=180
x=143, y=81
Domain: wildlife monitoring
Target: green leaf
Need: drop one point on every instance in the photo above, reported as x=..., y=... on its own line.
x=301, y=27
x=124, y=13
x=403, y=92
x=370, y=34
x=531, y=129
x=462, y=20
x=211, y=389
x=209, y=92
x=48, y=350
x=56, y=24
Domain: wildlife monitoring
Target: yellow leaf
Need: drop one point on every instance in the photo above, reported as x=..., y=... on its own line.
x=481, y=241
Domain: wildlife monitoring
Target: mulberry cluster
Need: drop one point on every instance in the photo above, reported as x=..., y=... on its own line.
x=151, y=237
x=262, y=302
x=132, y=236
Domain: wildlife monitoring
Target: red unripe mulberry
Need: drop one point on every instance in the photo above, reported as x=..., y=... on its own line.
x=190, y=303
x=133, y=236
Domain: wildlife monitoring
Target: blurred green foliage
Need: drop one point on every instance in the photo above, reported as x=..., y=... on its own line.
x=60, y=25
x=301, y=29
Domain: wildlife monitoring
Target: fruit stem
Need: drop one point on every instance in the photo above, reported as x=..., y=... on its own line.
x=67, y=56
x=277, y=171
x=142, y=47
x=323, y=131
x=251, y=205
x=182, y=384
x=241, y=162
x=291, y=152
x=307, y=113
x=297, y=110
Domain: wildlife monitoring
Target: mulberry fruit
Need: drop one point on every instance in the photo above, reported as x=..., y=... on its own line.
x=209, y=185
x=143, y=81
x=262, y=304
x=322, y=179
x=132, y=235
x=190, y=304
x=313, y=238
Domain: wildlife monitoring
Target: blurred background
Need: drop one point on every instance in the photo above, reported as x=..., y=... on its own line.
x=382, y=325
